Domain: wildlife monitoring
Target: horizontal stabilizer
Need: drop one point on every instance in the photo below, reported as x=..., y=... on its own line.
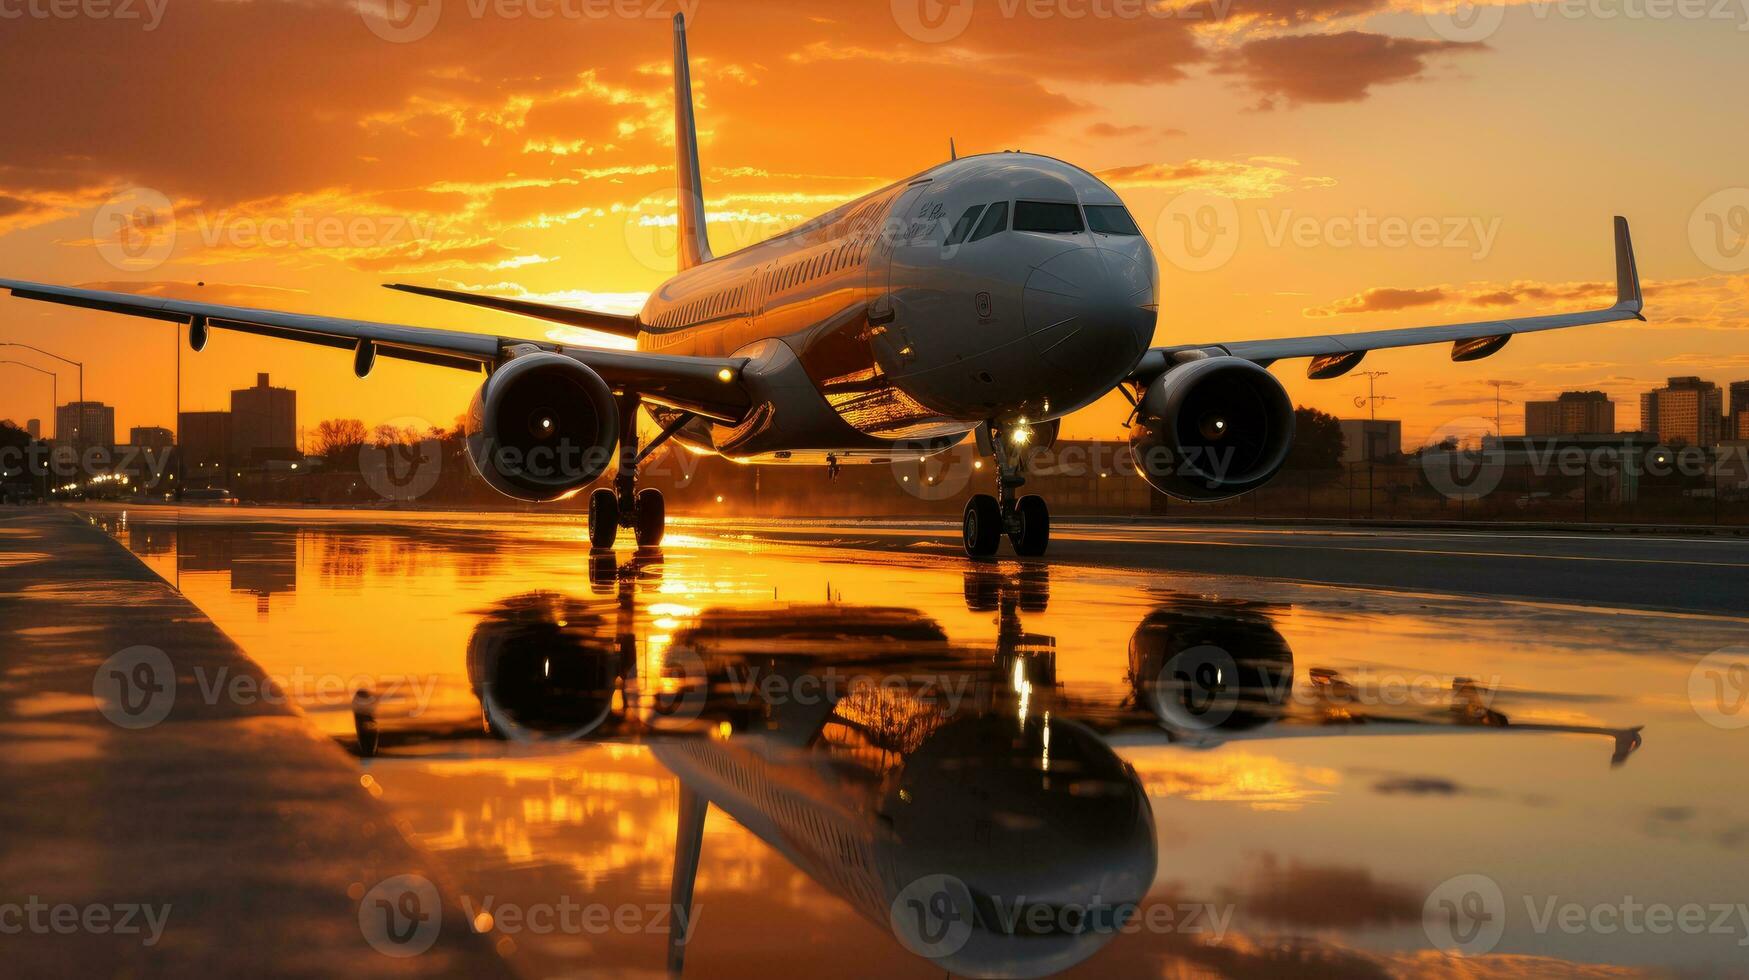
x=613, y=323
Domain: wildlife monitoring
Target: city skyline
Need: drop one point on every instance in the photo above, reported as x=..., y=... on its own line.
x=1733, y=400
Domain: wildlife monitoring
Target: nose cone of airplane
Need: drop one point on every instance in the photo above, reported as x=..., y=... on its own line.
x=1091, y=307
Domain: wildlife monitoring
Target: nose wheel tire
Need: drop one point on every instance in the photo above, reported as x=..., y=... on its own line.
x=603, y=518
x=652, y=518
x=1032, y=532
x=982, y=526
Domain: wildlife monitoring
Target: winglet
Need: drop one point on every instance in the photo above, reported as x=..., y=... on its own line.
x=694, y=246
x=953, y=152
x=1627, y=272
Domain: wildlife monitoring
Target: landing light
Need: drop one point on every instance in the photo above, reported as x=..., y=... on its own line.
x=725, y=375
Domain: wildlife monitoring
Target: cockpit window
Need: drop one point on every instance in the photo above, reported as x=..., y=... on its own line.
x=995, y=221
x=1111, y=219
x=964, y=226
x=1050, y=217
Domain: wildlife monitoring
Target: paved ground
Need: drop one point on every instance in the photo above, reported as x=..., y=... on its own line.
x=1669, y=572
x=229, y=831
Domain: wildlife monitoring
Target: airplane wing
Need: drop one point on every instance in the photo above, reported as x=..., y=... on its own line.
x=695, y=384
x=1336, y=354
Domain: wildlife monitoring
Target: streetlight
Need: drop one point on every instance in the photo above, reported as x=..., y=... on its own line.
x=79, y=424
x=54, y=386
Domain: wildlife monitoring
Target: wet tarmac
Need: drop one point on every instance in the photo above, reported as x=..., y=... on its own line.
x=825, y=750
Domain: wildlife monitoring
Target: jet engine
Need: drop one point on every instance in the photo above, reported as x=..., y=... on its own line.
x=1212, y=428
x=542, y=427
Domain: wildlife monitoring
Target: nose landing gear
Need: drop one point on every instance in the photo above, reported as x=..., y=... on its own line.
x=645, y=511
x=1026, y=521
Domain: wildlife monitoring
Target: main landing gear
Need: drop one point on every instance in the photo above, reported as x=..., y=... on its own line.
x=1026, y=522
x=643, y=511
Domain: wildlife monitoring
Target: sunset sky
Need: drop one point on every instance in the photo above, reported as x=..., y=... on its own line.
x=300, y=153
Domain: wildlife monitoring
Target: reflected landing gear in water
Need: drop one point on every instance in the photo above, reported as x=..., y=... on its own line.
x=644, y=512
x=1026, y=521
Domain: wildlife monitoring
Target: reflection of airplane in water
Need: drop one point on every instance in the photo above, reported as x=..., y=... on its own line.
x=1210, y=673
x=874, y=753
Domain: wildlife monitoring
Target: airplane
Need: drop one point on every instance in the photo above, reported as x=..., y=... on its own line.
x=990, y=295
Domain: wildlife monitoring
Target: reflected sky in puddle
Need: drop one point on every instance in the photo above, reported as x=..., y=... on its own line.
x=1281, y=777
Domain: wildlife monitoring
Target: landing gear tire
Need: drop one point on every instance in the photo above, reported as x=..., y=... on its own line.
x=982, y=526
x=1032, y=535
x=603, y=518
x=652, y=518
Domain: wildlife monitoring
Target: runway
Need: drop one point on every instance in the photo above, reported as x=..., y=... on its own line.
x=1694, y=574
x=1317, y=731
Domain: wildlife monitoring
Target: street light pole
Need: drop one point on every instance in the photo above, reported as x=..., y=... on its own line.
x=79, y=426
x=54, y=386
x=1372, y=401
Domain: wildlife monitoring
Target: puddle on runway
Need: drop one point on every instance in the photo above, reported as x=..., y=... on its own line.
x=863, y=763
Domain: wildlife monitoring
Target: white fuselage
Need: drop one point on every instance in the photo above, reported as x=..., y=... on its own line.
x=913, y=314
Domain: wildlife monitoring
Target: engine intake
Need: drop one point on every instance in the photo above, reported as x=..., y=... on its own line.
x=542, y=427
x=1212, y=428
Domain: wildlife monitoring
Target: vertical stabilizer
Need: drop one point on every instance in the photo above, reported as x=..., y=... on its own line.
x=694, y=247
x=688, y=848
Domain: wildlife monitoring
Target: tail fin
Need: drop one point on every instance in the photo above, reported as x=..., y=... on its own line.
x=688, y=848
x=694, y=242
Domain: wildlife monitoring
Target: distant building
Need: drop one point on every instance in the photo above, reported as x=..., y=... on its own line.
x=1371, y=440
x=1573, y=413
x=1740, y=424
x=151, y=437
x=85, y=424
x=264, y=422
x=35, y=428
x=1686, y=410
x=205, y=446
x=1739, y=408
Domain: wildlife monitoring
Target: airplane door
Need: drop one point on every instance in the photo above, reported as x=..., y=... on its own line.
x=900, y=224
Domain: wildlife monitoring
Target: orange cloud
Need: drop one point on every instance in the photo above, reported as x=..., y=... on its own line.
x=1341, y=67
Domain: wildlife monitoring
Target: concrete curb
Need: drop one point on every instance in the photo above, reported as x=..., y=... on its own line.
x=259, y=835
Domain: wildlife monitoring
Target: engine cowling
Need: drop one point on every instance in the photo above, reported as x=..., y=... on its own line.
x=1212, y=428
x=542, y=427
